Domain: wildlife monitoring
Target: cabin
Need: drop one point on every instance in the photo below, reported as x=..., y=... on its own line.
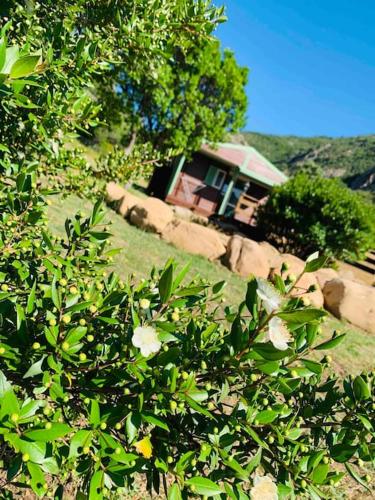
x=229, y=181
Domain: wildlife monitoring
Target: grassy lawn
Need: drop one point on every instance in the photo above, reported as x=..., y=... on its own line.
x=143, y=250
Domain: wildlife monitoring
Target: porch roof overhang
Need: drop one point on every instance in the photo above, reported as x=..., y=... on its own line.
x=249, y=162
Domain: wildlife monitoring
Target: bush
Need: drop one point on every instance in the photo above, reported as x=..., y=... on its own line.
x=102, y=381
x=310, y=213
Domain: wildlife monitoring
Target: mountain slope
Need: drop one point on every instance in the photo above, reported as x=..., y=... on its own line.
x=343, y=156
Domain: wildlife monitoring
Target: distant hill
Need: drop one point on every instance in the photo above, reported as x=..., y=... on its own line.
x=338, y=157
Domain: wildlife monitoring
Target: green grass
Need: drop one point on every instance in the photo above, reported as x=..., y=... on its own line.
x=141, y=251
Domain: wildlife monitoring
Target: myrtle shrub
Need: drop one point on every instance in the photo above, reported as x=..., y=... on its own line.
x=310, y=212
x=103, y=381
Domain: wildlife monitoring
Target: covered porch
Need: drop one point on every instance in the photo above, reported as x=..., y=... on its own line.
x=220, y=190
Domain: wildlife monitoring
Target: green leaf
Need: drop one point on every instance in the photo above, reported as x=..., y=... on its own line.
x=269, y=352
x=302, y=316
x=319, y=474
x=80, y=439
x=313, y=366
x=266, y=416
x=356, y=476
x=3, y=48
x=24, y=66
x=46, y=435
x=11, y=56
x=315, y=264
x=165, y=284
x=96, y=486
x=55, y=294
x=197, y=394
x=366, y=422
x=174, y=492
x=31, y=299
x=330, y=344
x=218, y=287
x=251, y=297
x=94, y=413
x=75, y=334
x=195, y=406
x=254, y=461
x=37, y=478
x=284, y=491
x=36, y=368
x=204, y=486
x=133, y=423
x=236, y=334
x=361, y=389
x=342, y=452
x=269, y=367
x=152, y=419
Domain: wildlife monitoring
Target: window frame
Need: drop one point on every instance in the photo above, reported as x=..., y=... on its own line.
x=216, y=176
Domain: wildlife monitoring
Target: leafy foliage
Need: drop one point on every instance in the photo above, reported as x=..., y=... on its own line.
x=213, y=404
x=310, y=212
x=197, y=95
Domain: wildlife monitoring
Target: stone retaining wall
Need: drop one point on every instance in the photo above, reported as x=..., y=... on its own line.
x=344, y=298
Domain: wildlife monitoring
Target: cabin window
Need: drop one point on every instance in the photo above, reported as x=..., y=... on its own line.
x=215, y=177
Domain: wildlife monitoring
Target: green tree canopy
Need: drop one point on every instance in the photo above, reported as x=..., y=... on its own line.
x=310, y=213
x=197, y=94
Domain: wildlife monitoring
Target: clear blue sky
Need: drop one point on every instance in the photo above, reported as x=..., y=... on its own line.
x=312, y=64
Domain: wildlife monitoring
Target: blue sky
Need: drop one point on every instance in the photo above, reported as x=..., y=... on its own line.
x=312, y=64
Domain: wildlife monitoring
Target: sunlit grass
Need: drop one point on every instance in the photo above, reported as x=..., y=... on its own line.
x=141, y=251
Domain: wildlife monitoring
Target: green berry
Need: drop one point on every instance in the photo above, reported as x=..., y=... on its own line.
x=173, y=405
x=65, y=346
x=14, y=417
x=66, y=319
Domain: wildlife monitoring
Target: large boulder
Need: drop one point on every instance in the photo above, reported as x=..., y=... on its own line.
x=271, y=253
x=127, y=203
x=352, y=301
x=295, y=267
x=151, y=214
x=194, y=238
x=245, y=257
x=326, y=274
x=114, y=192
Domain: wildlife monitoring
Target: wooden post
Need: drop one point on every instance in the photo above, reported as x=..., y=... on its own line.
x=228, y=193
x=177, y=167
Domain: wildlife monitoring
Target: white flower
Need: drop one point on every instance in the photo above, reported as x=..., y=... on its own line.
x=146, y=338
x=144, y=303
x=269, y=295
x=278, y=334
x=311, y=257
x=264, y=489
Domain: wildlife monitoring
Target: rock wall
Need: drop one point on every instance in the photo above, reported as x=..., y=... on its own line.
x=344, y=298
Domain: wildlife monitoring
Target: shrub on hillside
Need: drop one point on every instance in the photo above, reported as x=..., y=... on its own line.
x=310, y=213
x=103, y=381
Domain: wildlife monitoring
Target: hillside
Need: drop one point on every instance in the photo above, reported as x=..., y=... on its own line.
x=343, y=156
